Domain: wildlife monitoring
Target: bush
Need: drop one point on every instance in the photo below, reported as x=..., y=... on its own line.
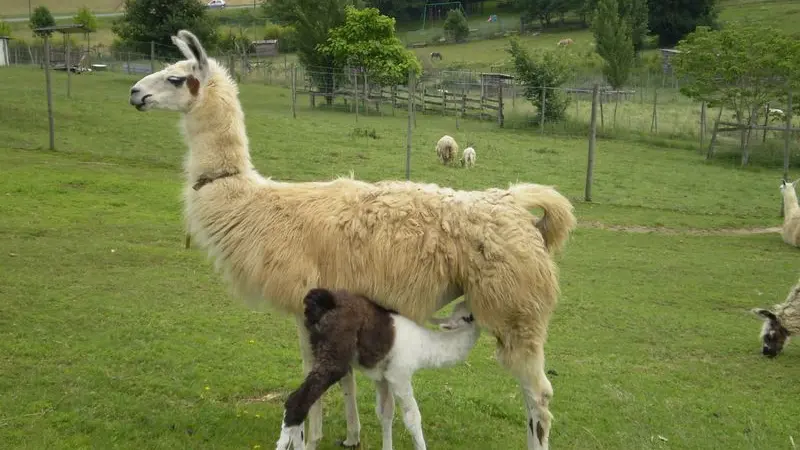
x=549, y=69
x=456, y=27
x=40, y=18
x=286, y=36
x=5, y=29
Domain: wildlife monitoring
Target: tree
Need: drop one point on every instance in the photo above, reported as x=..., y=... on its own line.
x=741, y=67
x=312, y=21
x=549, y=69
x=146, y=21
x=541, y=10
x=671, y=20
x=367, y=39
x=86, y=18
x=612, y=34
x=636, y=14
x=456, y=26
x=41, y=18
x=5, y=29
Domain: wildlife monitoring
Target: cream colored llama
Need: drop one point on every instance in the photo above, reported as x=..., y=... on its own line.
x=791, y=214
x=415, y=247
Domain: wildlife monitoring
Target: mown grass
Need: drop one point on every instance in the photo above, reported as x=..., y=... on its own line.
x=114, y=336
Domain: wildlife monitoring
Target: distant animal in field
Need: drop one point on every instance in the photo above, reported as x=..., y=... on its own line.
x=565, y=42
x=468, y=160
x=446, y=149
x=780, y=323
x=436, y=55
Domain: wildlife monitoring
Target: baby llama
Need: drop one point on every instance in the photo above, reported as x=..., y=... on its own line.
x=780, y=323
x=446, y=149
x=350, y=330
x=468, y=159
x=791, y=214
x=413, y=247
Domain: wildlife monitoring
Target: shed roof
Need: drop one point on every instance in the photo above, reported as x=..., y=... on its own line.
x=64, y=29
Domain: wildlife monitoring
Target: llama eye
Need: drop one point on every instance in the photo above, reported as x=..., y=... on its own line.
x=176, y=81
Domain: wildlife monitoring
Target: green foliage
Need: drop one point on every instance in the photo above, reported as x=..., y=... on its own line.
x=741, y=67
x=40, y=18
x=86, y=17
x=672, y=20
x=612, y=33
x=5, y=28
x=367, y=39
x=312, y=21
x=157, y=20
x=549, y=69
x=234, y=42
x=456, y=27
x=545, y=10
x=286, y=36
x=636, y=13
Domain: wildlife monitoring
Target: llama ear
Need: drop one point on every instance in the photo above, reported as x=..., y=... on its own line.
x=765, y=313
x=183, y=47
x=196, y=49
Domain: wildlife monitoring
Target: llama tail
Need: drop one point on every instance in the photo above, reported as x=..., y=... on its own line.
x=317, y=303
x=558, y=219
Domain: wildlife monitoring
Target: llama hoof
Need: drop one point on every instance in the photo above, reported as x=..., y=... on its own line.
x=345, y=444
x=291, y=438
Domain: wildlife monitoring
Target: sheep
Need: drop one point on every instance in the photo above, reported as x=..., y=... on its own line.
x=436, y=55
x=414, y=247
x=791, y=214
x=446, y=149
x=565, y=42
x=780, y=323
x=350, y=330
x=468, y=159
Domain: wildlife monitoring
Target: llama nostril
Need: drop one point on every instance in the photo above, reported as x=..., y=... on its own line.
x=134, y=90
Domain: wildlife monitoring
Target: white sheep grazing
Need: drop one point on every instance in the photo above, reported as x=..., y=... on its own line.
x=446, y=149
x=781, y=323
x=412, y=247
x=468, y=159
x=791, y=214
x=349, y=330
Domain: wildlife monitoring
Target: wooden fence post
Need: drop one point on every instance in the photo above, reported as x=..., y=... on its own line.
x=294, y=91
x=702, y=125
x=654, y=121
x=786, y=140
x=410, y=119
x=543, y=109
x=49, y=91
x=710, y=152
x=152, y=57
x=592, y=142
x=500, y=118
x=766, y=123
x=355, y=93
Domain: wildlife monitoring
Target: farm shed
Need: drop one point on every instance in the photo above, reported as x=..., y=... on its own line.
x=492, y=82
x=666, y=59
x=4, y=51
x=266, y=47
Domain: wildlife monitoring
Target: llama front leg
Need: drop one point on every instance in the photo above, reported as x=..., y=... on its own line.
x=315, y=412
x=384, y=407
x=348, y=384
x=411, y=415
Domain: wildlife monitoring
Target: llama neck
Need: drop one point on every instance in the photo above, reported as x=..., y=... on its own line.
x=789, y=203
x=447, y=348
x=215, y=132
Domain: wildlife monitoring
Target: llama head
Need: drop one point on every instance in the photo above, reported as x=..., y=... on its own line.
x=774, y=336
x=177, y=86
x=461, y=316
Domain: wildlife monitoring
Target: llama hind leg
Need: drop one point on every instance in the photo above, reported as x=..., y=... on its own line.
x=527, y=365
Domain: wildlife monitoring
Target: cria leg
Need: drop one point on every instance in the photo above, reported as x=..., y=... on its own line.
x=348, y=384
x=527, y=365
x=291, y=437
x=384, y=407
x=300, y=401
x=411, y=415
x=315, y=413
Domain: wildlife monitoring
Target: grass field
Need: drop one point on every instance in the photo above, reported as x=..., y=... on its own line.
x=114, y=336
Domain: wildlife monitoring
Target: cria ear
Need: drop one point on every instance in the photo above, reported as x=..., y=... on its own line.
x=765, y=313
x=196, y=49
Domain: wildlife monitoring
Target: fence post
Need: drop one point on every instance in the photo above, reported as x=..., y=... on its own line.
x=592, y=141
x=294, y=91
x=702, y=125
x=128, y=62
x=152, y=57
x=49, y=91
x=68, y=65
x=654, y=122
x=444, y=103
x=602, y=114
x=543, y=109
x=500, y=118
x=355, y=93
x=787, y=137
x=410, y=119
x=366, y=94
x=714, y=134
x=766, y=123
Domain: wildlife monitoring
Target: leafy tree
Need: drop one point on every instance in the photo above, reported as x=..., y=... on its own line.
x=157, y=20
x=542, y=10
x=612, y=34
x=456, y=26
x=312, y=21
x=741, y=68
x=549, y=69
x=41, y=18
x=86, y=18
x=671, y=20
x=367, y=39
x=636, y=13
x=5, y=29
x=286, y=36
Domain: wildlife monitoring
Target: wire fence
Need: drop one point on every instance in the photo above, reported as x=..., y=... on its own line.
x=650, y=106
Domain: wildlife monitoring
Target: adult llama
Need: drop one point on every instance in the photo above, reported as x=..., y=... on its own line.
x=412, y=247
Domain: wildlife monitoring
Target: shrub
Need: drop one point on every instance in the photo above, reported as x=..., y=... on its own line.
x=456, y=27
x=286, y=36
x=548, y=69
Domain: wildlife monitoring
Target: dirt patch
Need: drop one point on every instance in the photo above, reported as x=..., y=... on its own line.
x=684, y=231
x=268, y=397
